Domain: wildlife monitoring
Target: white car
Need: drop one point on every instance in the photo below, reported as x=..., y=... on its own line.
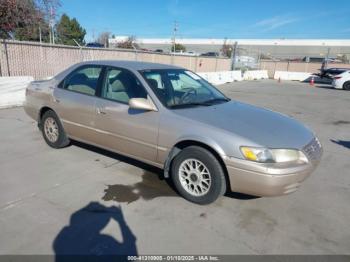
x=342, y=81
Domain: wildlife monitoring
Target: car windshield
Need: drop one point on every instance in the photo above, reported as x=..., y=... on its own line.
x=178, y=88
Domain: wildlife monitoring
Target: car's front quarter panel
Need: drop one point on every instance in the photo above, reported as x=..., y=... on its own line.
x=174, y=129
x=262, y=179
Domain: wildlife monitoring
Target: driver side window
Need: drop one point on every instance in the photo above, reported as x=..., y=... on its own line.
x=121, y=85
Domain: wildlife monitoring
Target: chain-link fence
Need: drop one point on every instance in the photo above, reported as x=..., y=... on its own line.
x=291, y=58
x=44, y=60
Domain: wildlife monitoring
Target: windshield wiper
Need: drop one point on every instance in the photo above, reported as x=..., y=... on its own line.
x=203, y=103
x=188, y=105
x=215, y=100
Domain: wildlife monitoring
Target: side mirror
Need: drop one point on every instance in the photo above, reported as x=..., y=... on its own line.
x=142, y=103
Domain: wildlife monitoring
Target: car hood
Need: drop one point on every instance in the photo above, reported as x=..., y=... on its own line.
x=261, y=126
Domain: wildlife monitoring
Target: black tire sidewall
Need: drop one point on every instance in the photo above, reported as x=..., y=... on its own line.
x=218, y=183
x=346, y=86
x=62, y=140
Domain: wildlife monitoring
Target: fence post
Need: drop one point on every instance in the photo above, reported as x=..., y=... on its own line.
x=216, y=64
x=136, y=54
x=233, y=56
x=7, y=58
x=259, y=60
x=195, y=66
x=0, y=59
x=81, y=53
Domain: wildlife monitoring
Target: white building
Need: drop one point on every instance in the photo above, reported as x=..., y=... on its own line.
x=284, y=48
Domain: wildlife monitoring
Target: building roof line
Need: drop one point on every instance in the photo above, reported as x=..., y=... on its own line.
x=257, y=42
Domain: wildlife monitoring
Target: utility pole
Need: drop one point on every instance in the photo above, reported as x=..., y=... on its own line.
x=40, y=34
x=52, y=24
x=233, y=56
x=174, y=35
x=174, y=42
x=327, y=57
x=93, y=35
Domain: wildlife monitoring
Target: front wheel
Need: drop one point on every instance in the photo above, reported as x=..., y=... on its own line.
x=198, y=176
x=53, y=131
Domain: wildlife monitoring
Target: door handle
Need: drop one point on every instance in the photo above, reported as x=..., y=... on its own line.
x=100, y=111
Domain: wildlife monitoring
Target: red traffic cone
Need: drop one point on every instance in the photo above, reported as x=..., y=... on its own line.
x=312, y=81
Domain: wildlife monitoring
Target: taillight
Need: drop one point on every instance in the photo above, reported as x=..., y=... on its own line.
x=337, y=77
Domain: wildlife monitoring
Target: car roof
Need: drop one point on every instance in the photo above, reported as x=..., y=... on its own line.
x=132, y=65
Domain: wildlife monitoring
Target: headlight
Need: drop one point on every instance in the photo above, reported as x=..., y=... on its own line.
x=265, y=155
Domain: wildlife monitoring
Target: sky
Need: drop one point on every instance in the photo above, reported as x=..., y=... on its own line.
x=297, y=19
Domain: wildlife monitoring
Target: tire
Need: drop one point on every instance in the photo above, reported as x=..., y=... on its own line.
x=201, y=185
x=346, y=85
x=53, y=131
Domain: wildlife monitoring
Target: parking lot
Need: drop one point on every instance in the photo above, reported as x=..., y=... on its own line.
x=53, y=198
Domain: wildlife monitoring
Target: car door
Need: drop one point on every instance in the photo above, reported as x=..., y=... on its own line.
x=132, y=132
x=75, y=102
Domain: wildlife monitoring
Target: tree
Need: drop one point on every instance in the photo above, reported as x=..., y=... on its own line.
x=69, y=30
x=16, y=14
x=178, y=48
x=129, y=43
x=226, y=50
x=103, y=38
x=344, y=59
x=21, y=19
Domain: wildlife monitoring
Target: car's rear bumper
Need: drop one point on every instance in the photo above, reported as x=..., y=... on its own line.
x=266, y=179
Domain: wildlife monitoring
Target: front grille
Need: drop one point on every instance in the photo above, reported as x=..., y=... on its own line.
x=313, y=150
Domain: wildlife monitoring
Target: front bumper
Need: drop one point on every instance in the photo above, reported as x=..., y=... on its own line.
x=337, y=85
x=334, y=84
x=271, y=179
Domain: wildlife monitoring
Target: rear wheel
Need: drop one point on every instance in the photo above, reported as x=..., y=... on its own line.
x=198, y=176
x=346, y=85
x=53, y=131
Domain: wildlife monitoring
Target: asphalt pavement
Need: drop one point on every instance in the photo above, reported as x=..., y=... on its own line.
x=93, y=200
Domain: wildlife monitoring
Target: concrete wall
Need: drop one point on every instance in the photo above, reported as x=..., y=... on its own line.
x=12, y=90
x=272, y=67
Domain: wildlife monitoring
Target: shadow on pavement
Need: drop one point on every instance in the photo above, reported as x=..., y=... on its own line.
x=240, y=196
x=118, y=157
x=82, y=238
x=325, y=86
x=151, y=186
x=342, y=143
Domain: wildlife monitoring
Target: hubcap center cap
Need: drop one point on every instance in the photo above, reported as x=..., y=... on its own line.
x=194, y=177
